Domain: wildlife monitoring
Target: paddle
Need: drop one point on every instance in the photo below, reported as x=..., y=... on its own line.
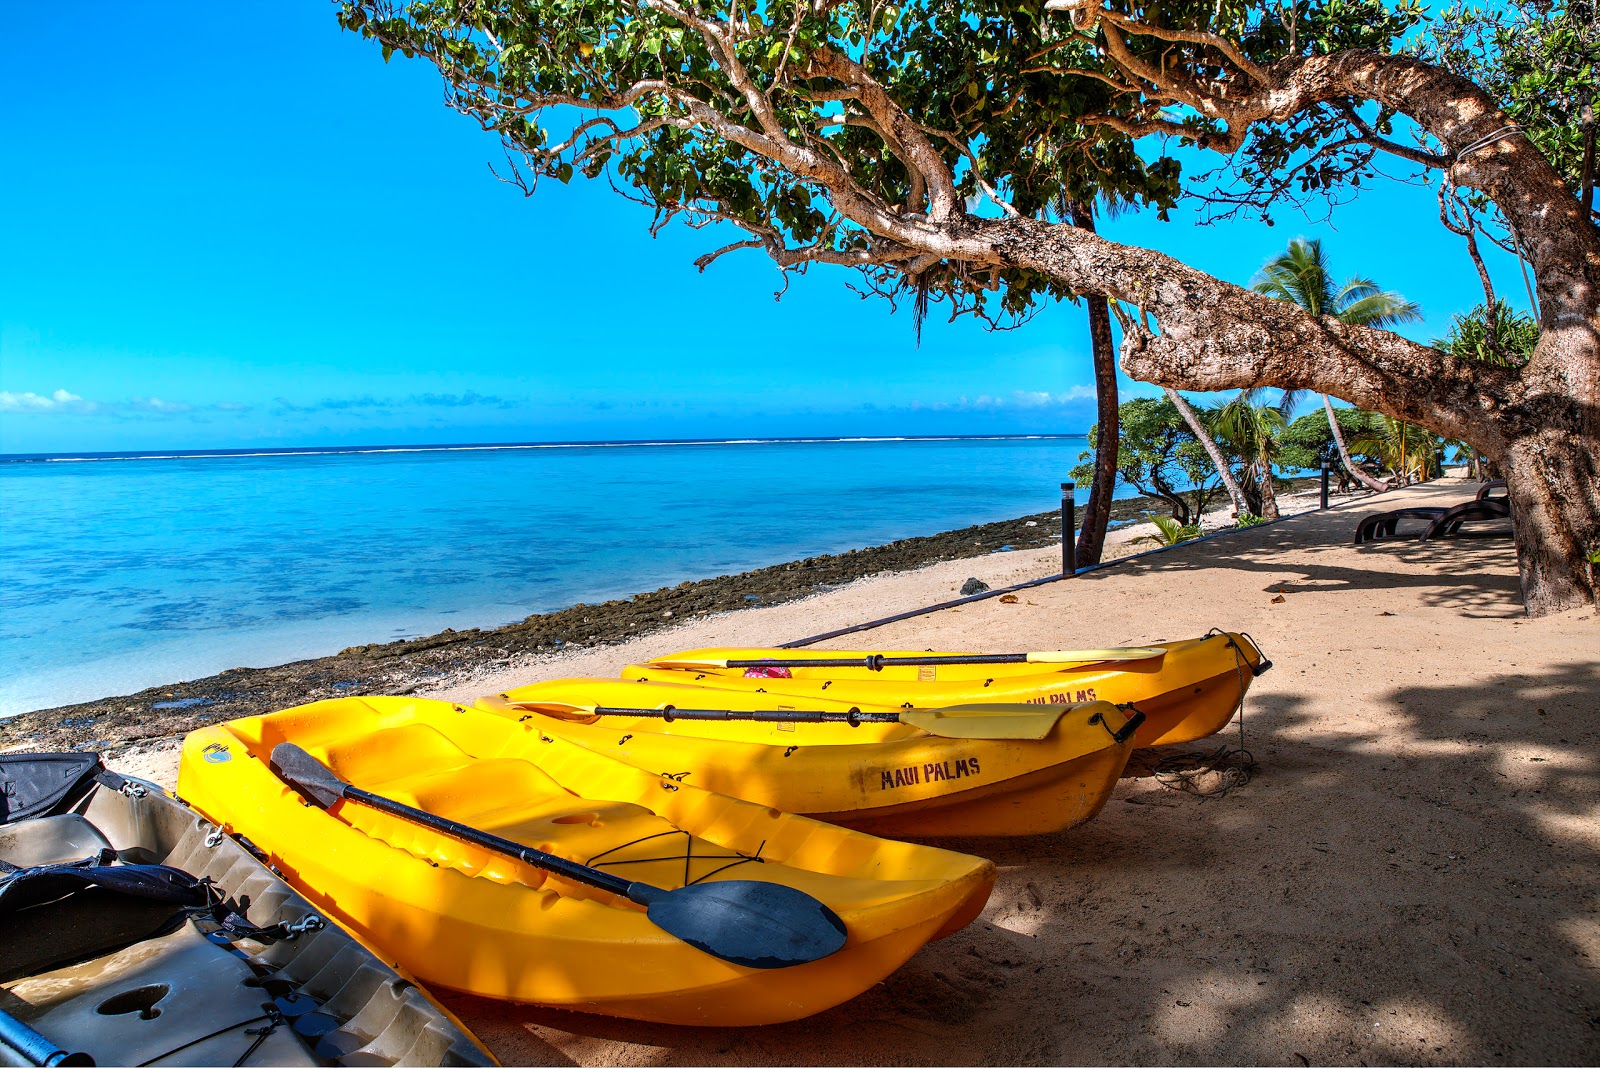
x=753, y=924
x=983, y=721
x=878, y=661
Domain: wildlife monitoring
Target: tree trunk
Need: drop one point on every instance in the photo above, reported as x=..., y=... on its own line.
x=1553, y=482
x=1269, y=492
x=1181, y=510
x=1097, y=510
x=1344, y=452
x=1235, y=493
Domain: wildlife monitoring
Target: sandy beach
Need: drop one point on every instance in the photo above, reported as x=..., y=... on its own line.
x=1410, y=877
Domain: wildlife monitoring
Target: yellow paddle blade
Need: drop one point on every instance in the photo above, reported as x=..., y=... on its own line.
x=1091, y=656
x=1000, y=721
x=553, y=709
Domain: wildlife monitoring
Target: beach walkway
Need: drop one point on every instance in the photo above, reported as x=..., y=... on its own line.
x=1410, y=877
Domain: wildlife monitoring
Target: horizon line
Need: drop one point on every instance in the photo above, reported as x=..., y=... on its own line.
x=333, y=450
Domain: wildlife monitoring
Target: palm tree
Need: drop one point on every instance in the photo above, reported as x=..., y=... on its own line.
x=1203, y=435
x=1301, y=276
x=1169, y=531
x=1251, y=427
x=1409, y=450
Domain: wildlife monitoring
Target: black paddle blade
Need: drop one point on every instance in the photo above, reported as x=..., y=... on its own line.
x=306, y=774
x=757, y=925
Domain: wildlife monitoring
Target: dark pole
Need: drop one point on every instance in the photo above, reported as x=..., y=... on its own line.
x=1069, y=528
x=1327, y=465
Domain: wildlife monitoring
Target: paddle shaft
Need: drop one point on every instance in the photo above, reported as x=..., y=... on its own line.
x=571, y=869
x=669, y=713
x=877, y=661
x=34, y=1047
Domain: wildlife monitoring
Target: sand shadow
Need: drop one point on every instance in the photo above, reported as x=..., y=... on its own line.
x=1279, y=924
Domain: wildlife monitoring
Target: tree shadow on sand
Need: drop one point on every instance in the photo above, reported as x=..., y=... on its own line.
x=1420, y=894
x=1475, y=575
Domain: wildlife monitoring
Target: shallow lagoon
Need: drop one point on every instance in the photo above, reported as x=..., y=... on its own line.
x=125, y=573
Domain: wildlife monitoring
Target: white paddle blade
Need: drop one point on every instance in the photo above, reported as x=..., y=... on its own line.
x=503, y=704
x=687, y=663
x=1094, y=656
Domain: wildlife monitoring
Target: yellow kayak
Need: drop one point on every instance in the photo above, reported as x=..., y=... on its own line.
x=886, y=778
x=1186, y=689
x=461, y=916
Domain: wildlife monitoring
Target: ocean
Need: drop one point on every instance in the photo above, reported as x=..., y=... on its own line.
x=123, y=571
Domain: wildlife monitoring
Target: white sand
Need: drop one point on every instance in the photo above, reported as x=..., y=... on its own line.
x=1410, y=878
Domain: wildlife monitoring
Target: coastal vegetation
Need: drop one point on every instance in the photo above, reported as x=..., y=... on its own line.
x=1308, y=442
x=1169, y=531
x=931, y=146
x=1251, y=427
x=1157, y=453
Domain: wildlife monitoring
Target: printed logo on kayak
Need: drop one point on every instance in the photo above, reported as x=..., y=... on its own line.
x=1066, y=697
x=915, y=774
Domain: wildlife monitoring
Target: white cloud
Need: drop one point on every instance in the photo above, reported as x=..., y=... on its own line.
x=157, y=405
x=59, y=401
x=1030, y=399
x=65, y=402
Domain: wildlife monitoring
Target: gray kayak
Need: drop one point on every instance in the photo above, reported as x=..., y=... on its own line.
x=133, y=931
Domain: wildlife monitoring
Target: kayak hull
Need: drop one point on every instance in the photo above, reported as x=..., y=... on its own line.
x=885, y=779
x=1191, y=691
x=206, y=983
x=460, y=917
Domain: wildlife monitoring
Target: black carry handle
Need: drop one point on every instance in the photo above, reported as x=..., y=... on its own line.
x=1127, y=729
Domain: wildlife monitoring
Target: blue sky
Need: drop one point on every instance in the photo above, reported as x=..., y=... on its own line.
x=235, y=226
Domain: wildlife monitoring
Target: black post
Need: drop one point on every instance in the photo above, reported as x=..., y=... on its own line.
x=1327, y=465
x=1069, y=528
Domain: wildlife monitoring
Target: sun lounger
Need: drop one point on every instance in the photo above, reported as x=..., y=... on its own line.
x=1383, y=524
x=1484, y=509
x=1442, y=522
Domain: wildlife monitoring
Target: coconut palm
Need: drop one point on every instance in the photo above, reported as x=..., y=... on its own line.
x=1251, y=428
x=1409, y=450
x=1203, y=435
x=1301, y=276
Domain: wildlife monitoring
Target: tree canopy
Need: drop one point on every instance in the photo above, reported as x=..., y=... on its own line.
x=933, y=145
x=747, y=115
x=1158, y=455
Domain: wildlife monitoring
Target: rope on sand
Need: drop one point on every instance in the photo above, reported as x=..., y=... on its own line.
x=1220, y=771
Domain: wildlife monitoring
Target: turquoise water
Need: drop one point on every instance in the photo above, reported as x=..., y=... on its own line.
x=116, y=574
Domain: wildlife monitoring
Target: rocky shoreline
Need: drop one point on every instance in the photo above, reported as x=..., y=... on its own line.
x=402, y=667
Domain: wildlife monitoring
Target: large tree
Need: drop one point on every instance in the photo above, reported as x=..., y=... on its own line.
x=921, y=144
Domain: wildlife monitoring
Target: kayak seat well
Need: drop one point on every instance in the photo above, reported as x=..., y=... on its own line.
x=419, y=765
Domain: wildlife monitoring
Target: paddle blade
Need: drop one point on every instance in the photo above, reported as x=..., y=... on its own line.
x=1022, y=722
x=1094, y=656
x=752, y=924
x=687, y=663
x=306, y=774
x=554, y=709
